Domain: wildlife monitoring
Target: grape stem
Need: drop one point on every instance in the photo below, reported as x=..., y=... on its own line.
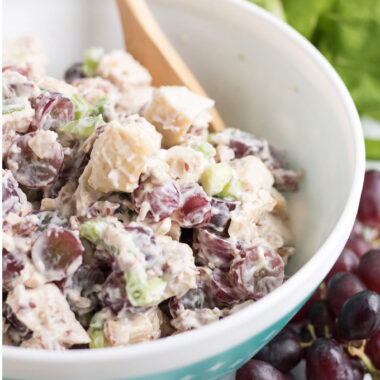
x=359, y=352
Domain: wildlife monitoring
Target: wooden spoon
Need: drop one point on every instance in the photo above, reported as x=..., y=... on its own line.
x=145, y=40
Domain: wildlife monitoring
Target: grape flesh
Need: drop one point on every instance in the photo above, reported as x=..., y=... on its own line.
x=222, y=289
x=256, y=271
x=258, y=370
x=195, y=209
x=360, y=316
x=369, y=270
x=161, y=199
x=51, y=110
x=283, y=352
x=30, y=170
x=341, y=287
x=326, y=359
x=57, y=253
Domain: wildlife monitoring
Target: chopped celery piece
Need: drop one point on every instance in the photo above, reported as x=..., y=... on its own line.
x=82, y=108
x=93, y=230
x=233, y=189
x=92, y=57
x=98, y=338
x=101, y=104
x=215, y=177
x=9, y=106
x=140, y=290
x=206, y=149
x=82, y=128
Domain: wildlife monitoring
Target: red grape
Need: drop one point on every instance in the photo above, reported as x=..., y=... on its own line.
x=216, y=250
x=302, y=313
x=321, y=317
x=13, y=264
x=12, y=195
x=195, y=208
x=74, y=72
x=372, y=349
x=286, y=180
x=358, y=245
x=369, y=270
x=348, y=261
x=360, y=316
x=114, y=293
x=244, y=144
x=258, y=370
x=341, y=287
x=326, y=359
x=20, y=70
x=162, y=199
x=17, y=330
x=358, y=368
x=222, y=289
x=30, y=170
x=369, y=206
x=57, y=253
x=51, y=110
x=257, y=271
x=284, y=351
x=221, y=214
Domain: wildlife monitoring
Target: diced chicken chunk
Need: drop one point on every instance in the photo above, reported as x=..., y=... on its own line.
x=120, y=153
x=46, y=312
x=19, y=120
x=173, y=110
x=17, y=85
x=50, y=83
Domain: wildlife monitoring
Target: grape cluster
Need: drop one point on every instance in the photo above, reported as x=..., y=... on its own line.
x=337, y=331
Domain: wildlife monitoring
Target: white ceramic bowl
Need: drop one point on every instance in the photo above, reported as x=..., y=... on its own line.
x=265, y=79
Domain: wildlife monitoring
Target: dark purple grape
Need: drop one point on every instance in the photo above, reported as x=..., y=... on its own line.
x=28, y=169
x=222, y=289
x=257, y=271
x=17, y=331
x=82, y=283
x=358, y=368
x=216, y=250
x=114, y=293
x=51, y=110
x=283, y=352
x=13, y=264
x=360, y=316
x=12, y=195
x=259, y=370
x=358, y=245
x=369, y=270
x=341, y=287
x=221, y=214
x=195, y=209
x=348, y=261
x=372, y=349
x=163, y=199
x=302, y=313
x=57, y=253
x=74, y=72
x=321, y=317
x=369, y=206
x=326, y=359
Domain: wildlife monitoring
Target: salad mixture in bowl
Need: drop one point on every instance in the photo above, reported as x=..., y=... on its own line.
x=124, y=218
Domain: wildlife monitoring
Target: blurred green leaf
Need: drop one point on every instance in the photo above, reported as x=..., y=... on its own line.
x=273, y=6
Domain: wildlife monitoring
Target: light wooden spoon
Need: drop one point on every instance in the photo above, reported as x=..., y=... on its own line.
x=145, y=40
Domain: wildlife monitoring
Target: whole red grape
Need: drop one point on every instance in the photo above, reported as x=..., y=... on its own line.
x=369, y=270
x=369, y=206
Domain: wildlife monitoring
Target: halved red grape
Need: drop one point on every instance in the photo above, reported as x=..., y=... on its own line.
x=244, y=143
x=369, y=206
x=369, y=270
x=222, y=289
x=17, y=331
x=221, y=214
x=341, y=287
x=12, y=195
x=161, y=199
x=195, y=209
x=13, y=264
x=360, y=316
x=326, y=359
x=20, y=70
x=114, y=293
x=286, y=180
x=257, y=271
x=57, y=253
x=284, y=351
x=51, y=110
x=259, y=370
x=216, y=250
x=30, y=170
x=348, y=261
x=372, y=349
